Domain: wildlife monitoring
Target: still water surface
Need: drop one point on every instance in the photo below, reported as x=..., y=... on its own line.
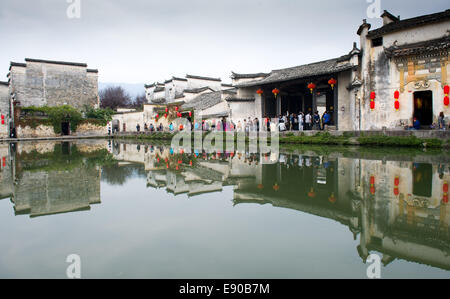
x=146, y=211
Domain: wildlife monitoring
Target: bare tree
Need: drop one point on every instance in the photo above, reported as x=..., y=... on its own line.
x=139, y=102
x=114, y=97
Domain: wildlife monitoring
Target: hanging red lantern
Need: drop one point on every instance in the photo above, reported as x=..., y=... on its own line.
x=396, y=95
x=446, y=89
x=373, y=95
x=332, y=82
x=167, y=109
x=372, y=105
x=276, y=187
x=276, y=92
x=157, y=116
x=165, y=115
x=311, y=87
x=190, y=113
x=445, y=199
x=446, y=101
x=332, y=198
x=260, y=91
x=445, y=187
x=396, y=192
x=176, y=109
x=397, y=181
x=372, y=185
x=397, y=105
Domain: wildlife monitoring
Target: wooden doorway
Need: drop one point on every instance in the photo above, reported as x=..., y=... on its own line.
x=423, y=107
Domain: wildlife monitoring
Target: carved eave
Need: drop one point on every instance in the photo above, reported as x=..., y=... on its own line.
x=354, y=85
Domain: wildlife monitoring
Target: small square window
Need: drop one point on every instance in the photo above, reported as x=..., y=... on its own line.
x=377, y=42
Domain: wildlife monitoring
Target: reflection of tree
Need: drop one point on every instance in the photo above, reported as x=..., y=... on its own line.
x=118, y=175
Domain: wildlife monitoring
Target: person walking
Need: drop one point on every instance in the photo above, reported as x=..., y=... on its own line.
x=441, y=121
x=316, y=119
x=308, y=121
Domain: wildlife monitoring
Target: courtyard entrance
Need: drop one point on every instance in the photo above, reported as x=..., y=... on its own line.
x=423, y=107
x=65, y=128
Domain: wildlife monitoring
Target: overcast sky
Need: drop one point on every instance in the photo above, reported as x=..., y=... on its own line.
x=143, y=41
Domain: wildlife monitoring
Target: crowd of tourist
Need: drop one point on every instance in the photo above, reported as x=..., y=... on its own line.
x=288, y=122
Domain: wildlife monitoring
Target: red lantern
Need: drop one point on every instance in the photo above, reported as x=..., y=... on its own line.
x=445, y=188
x=373, y=95
x=445, y=199
x=176, y=109
x=332, y=198
x=446, y=101
x=259, y=91
x=396, y=192
x=276, y=187
x=372, y=105
x=165, y=115
x=190, y=113
x=260, y=186
x=157, y=116
x=397, y=105
x=396, y=95
x=311, y=86
x=332, y=82
x=276, y=92
x=372, y=185
x=312, y=194
x=397, y=181
x=167, y=109
x=446, y=89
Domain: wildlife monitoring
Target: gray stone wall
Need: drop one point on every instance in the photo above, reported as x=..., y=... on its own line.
x=52, y=84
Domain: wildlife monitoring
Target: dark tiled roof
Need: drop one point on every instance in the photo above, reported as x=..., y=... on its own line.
x=158, y=101
x=17, y=64
x=203, y=78
x=56, y=62
x=179, y=95
x=204, y=101
x=197, y=90
x=248, y=76
x=235, y=99
x=304, y=71
x=227, y=85
x=230, y=91
x=431, y=46
x=150, y=85
x=410, y=23
x=178, y=79
x=92, y=71
x=390, y=16
x=4, y=83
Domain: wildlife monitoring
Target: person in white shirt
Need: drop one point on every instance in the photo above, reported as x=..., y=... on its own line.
x=282, y=126
x=308, y=120
x=300, y=121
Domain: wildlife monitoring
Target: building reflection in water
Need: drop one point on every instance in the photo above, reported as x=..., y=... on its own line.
x=397, y=204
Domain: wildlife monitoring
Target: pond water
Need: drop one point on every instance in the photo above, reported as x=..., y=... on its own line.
x=148, y=211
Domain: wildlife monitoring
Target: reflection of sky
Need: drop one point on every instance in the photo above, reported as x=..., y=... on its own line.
x=140, y=232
